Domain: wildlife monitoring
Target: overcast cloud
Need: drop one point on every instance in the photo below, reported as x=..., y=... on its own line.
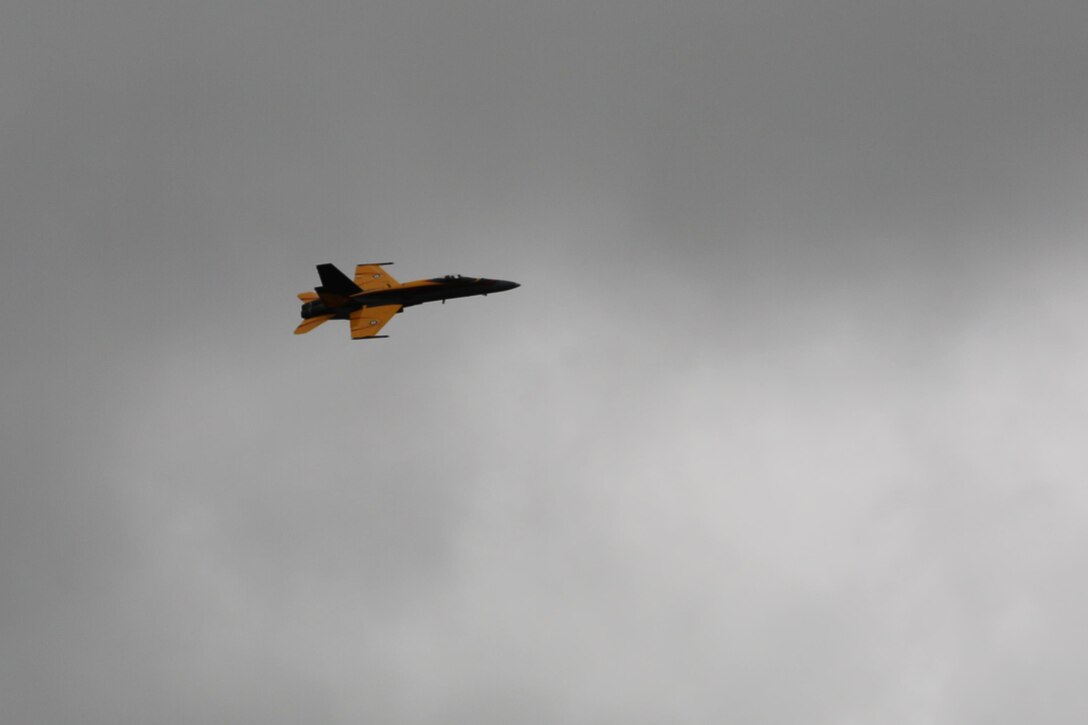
x=786, y=424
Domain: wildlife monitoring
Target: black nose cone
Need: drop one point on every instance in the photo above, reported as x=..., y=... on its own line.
x=501, y=285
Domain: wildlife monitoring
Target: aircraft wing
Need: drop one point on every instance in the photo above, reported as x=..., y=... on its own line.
x=371, y=277
x=367, y=321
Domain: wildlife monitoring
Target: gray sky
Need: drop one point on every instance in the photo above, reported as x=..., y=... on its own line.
x=786, y=423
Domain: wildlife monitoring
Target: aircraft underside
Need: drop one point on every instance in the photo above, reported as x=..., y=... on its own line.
x=374, y=296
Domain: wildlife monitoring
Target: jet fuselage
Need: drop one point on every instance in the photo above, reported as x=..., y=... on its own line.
x=409, y=294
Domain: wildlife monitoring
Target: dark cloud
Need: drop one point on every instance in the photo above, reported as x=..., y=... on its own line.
x=785, y=422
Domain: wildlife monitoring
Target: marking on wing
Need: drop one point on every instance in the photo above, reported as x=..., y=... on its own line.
x=371, y=277
x=368, y=321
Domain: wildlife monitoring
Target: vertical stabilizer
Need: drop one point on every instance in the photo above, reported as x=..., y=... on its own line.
x=336, y=282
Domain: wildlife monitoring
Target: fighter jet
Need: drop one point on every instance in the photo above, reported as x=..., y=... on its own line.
x=374, y=296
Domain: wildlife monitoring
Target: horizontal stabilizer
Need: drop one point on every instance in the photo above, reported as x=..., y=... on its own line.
x=307, y=296
x=311, y=323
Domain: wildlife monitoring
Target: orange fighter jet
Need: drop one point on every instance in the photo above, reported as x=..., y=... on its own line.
x=374, y=296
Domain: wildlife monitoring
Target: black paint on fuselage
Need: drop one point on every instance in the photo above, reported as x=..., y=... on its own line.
x=444, y=288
